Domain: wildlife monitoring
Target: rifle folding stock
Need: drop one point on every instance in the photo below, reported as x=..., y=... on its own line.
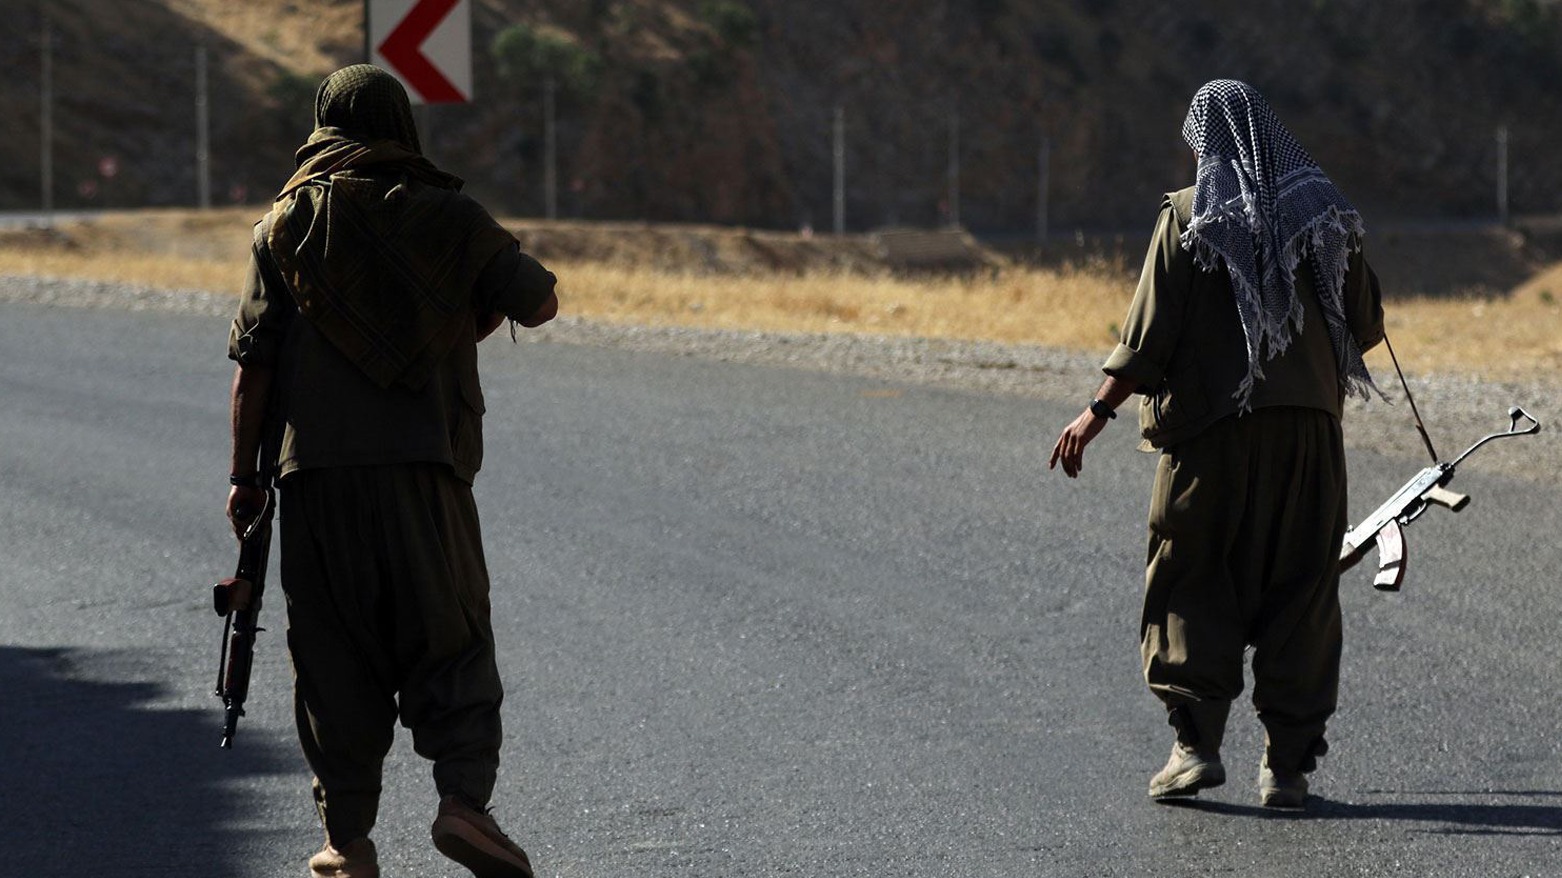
x=1429, y=487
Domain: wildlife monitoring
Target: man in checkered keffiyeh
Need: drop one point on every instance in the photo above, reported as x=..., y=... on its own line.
x=1244, y=338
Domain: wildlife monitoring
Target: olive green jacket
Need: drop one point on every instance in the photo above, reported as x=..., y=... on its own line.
x=1183, y=349
x=337, y=415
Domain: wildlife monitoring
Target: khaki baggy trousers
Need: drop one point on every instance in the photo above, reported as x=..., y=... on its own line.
x=388, y=617
x=1246, y=522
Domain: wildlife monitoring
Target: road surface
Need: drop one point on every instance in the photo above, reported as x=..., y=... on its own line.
x=753, y=621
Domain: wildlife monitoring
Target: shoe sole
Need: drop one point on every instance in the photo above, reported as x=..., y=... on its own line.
x=464, y=843
x=1189, y=782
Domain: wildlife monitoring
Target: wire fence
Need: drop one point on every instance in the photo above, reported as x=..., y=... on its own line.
x=849, y=143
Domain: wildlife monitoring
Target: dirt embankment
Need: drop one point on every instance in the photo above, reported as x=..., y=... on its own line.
x=223, y=235
x=1489, y=262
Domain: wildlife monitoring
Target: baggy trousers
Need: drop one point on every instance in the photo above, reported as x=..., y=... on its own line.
x=1246, y=522
x=388, y=616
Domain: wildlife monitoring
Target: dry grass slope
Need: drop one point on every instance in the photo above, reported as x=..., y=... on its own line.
x=294, y=35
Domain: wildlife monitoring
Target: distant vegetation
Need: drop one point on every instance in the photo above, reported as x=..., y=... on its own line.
x=526, y=56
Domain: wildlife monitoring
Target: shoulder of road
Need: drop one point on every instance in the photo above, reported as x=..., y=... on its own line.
x=1458, y=409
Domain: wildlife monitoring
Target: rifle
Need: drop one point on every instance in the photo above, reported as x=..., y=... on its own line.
x=238, y=598
x=1428, y=487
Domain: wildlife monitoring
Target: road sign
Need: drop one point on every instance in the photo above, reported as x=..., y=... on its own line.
x=427, y=44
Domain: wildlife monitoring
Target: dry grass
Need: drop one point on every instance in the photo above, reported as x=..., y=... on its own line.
x=151, y=270
x=1517, y=336
x=166, y=249
x=1079, y=307
x=1073, y=307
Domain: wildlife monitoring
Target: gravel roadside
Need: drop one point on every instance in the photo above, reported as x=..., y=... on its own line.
x=1458, y=409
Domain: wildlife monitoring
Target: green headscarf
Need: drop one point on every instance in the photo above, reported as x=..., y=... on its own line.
x=363, y=118
x=376, y=244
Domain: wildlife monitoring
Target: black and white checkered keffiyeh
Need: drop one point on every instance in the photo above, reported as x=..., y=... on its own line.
x=1260, y=206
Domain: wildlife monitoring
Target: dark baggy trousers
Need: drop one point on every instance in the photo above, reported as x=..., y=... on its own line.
x=1246, y=522
x=388, y=616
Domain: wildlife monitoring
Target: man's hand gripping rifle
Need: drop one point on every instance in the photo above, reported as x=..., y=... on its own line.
x=1382, y=527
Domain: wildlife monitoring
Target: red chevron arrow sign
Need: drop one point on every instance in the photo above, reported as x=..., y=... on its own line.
x=427, y=44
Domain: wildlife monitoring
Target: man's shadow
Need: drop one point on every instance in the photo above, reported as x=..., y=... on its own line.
x=97, y=783
x=1458, y=815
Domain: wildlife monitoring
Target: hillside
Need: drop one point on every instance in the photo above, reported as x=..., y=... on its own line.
x=720, y=110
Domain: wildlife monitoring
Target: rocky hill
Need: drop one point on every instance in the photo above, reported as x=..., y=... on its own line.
x=721, y=110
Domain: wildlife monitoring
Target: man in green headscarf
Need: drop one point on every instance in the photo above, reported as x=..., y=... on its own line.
x=372, y=279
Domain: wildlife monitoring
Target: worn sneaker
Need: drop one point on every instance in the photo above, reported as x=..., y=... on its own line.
x=1186, y=772
x=473, y=839
x=1281, y=789
x=356, y=859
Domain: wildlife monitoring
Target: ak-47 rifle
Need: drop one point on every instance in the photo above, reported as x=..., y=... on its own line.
x=1382, y=527
x=238, y=598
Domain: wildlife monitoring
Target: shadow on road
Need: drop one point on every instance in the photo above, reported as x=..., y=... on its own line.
x=1456, y=817
x=1460, y=817
x=97, y=783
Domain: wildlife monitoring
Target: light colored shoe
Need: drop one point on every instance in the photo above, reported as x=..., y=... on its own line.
x=356, y=859
x=473, y=839
x=1281, y=789
x=1186, y=772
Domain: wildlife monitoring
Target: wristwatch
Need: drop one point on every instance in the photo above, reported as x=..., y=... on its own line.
x=1101, y=410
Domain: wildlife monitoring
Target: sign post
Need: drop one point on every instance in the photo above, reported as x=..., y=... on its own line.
x=427, y=44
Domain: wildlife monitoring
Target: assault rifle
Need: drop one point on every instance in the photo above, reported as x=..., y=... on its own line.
x=238, y=600
x=1429, y=487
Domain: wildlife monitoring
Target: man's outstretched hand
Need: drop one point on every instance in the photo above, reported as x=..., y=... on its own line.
x=1070, y=447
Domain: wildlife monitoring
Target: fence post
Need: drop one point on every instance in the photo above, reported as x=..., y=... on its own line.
x=838, y=180
x=1043, y=183
x=550, y=149
x=46, y=120
x=1502, y=174
x=954, y=169
x=203, y=175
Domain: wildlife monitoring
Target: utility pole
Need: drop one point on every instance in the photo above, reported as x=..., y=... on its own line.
x=1043, y=184
x=954, y=169
x=46, y=118
x=838, y=151
x=203, y=169
x=550, y=148
x=1502, y=174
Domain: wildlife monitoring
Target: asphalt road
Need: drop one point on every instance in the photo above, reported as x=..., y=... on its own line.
x=753, y=621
